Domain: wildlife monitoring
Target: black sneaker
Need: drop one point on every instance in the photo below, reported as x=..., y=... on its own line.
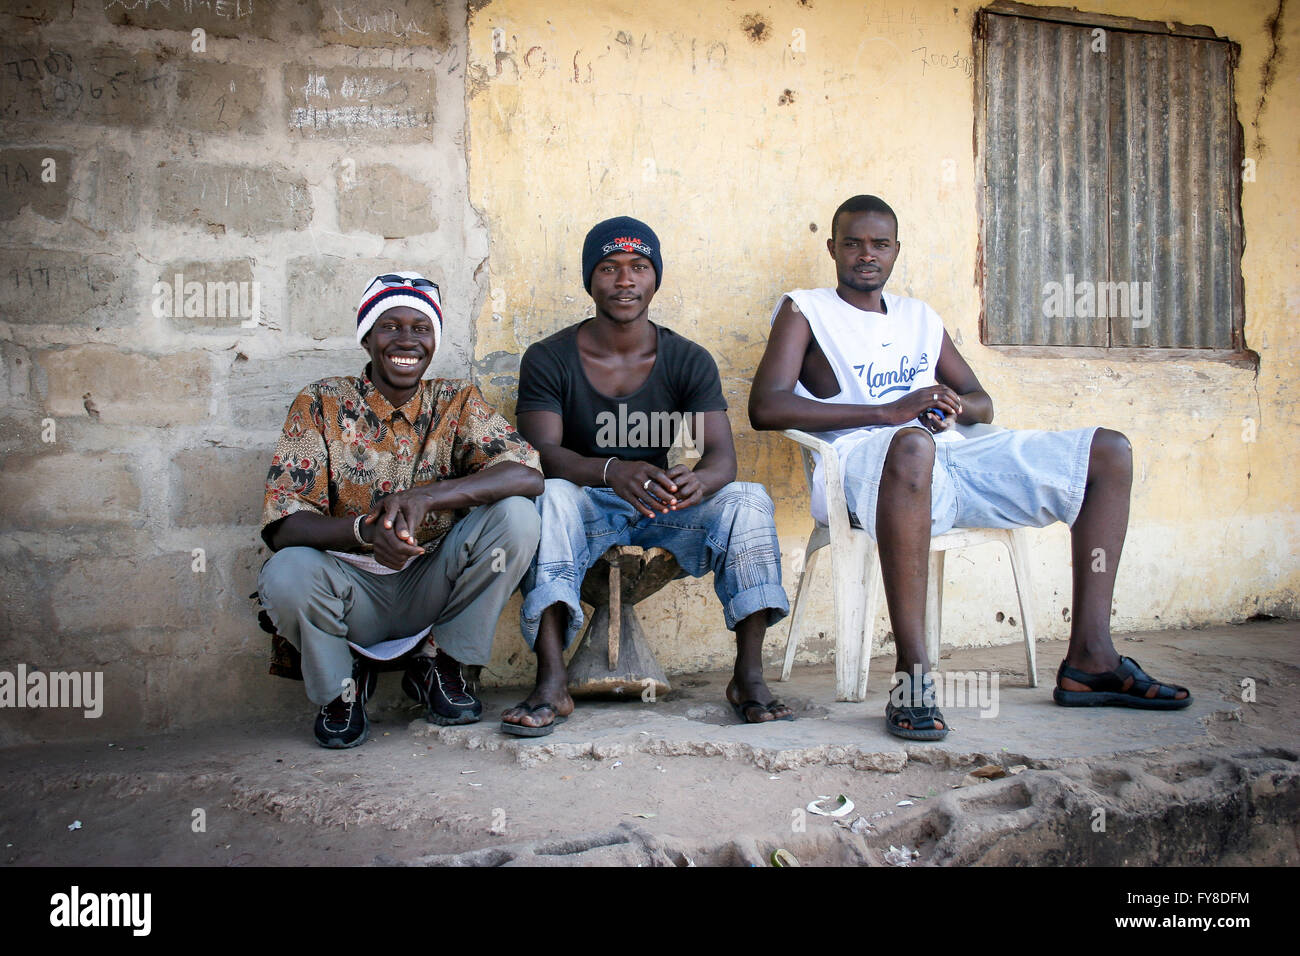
x=439, y=684
x=343, y=723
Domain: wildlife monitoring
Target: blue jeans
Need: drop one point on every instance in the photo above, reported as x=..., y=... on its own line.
x=732, y=534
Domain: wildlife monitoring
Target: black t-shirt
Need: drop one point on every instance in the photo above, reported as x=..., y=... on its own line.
x=637, y=427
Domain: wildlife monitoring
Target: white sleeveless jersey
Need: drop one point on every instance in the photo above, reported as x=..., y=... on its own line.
x=877, y=358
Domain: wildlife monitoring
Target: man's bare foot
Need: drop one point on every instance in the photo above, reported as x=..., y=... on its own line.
x=540, y=708
x=753, y=702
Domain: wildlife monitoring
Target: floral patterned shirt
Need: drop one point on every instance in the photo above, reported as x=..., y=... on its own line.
x=344, y=447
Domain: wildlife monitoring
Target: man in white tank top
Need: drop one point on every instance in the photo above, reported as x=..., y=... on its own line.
x=876, y=374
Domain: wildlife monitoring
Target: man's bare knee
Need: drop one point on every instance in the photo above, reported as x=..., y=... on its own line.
x=1111, y=455
x=910, y=459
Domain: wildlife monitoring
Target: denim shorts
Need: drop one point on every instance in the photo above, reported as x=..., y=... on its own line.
x=1001, y=479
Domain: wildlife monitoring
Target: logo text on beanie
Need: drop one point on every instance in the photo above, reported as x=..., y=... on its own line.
x=627, y=244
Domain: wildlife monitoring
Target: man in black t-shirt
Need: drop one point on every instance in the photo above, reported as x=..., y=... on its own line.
x=602, y=402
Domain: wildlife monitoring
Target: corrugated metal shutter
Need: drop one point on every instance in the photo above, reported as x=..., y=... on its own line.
x=1172, y=176
x=1105, y=169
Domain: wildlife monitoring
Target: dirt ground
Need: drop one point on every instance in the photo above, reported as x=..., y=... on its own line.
x=677, y=782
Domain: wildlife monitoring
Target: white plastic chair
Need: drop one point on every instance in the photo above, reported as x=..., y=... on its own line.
x=855, y=574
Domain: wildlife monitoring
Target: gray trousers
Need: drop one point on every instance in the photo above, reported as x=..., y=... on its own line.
x=318, y=602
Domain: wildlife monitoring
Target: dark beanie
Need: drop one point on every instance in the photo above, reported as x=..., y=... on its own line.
x=620, y=234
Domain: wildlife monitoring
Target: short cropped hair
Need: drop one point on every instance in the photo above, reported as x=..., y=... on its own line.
x=864, y=204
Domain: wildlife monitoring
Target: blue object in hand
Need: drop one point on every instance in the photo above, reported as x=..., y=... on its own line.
x=938, y=412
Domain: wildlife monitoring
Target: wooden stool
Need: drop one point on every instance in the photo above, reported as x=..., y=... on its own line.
x=617, y=660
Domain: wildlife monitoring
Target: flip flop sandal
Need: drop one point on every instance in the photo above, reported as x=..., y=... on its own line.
x=770, y=707
x=1108, y=689
x=923, y=717
x=523, y=730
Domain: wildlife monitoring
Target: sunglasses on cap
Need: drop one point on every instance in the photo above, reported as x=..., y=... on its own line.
x=396, y=280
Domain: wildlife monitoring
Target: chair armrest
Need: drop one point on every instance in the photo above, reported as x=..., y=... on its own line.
x=837, y=508
x=811, y=442
x=809, y=446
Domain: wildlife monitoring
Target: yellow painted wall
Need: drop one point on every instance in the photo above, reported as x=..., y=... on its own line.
x=705, y=120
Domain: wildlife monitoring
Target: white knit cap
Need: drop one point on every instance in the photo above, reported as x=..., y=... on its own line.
x=379, y=297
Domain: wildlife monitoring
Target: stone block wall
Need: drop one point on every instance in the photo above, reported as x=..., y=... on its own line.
x=277, y=153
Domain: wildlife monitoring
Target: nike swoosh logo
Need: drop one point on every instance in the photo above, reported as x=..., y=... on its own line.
x=885, y=345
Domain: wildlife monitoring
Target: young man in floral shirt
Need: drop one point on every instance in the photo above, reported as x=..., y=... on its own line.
x=399, y=513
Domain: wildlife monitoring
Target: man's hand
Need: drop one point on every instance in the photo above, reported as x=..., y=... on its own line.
x=646, y=488
x=390, y=550
x=936, y=424
x=690, y=491
x=393, y=522
x=916, y=404
x=404, y=511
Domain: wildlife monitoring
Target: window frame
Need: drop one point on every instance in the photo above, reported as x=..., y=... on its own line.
x=1239, y=354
